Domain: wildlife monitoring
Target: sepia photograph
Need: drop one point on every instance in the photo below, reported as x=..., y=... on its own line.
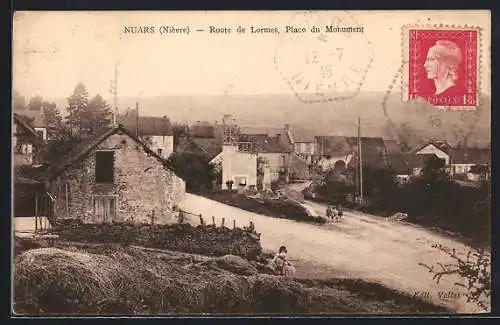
x=258, y=163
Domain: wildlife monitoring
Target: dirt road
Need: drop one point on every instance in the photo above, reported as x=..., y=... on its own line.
x=361, y=246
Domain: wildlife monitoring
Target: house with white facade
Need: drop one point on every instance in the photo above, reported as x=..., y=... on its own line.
x=461, y=162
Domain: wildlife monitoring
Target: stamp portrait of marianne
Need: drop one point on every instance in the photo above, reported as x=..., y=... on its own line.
x=442, y=66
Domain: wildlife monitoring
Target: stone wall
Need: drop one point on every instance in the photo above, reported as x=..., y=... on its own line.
x=203, y=239
x=143, y=187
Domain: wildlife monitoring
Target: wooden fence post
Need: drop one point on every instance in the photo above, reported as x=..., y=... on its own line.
x=234, y=224
x=223, y=219
x=153, y=217
x=213, y=220
x=201, y=220
x=36, y=212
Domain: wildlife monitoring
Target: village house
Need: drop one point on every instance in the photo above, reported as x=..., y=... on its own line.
x=27, y=141
x=276, y=150
x=468, y=164
x=418, y=162
x=303, y=143
x=439, y=148
x=26, y=145
x=203, y=139
x=113, y=176
x=258, y=156
x=156, y=132
x=330, y=151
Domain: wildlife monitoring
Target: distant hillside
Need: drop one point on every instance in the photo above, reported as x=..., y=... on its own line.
x=322, y=118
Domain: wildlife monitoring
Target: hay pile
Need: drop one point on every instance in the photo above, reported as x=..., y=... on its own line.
x=65, y=281
x=112, y=279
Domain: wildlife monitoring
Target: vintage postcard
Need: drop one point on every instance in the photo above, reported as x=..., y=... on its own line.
x=251, y=163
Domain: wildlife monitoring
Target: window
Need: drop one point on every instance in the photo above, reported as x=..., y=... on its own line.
x=104, y=166
x=104, y=208
x=282, y=162
x=158, y=151
x=240, y=180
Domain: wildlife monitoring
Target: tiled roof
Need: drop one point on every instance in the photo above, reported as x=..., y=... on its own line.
x=442, y=145
x=82, y=149
x=392, y=147
x=37, y=117
x=300, y=135
x=203, y=130
x=299, y=167
x=333, y=145
x=209, y=146
x=266, y=144
x=368, y=145
x=461, y=155
x=148, y=125
x=398, y=163
x=267, y=130
x=25, y=123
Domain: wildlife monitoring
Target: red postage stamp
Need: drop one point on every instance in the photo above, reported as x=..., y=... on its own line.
x=443, y=66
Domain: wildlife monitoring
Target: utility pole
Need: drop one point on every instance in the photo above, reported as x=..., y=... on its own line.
x=137, y=119
x=360, y=161
x=114, y=91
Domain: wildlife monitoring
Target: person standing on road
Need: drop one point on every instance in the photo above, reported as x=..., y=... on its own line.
x=340, y=211
x=329, y=213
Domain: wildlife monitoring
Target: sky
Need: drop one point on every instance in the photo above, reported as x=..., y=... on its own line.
x=53, y=51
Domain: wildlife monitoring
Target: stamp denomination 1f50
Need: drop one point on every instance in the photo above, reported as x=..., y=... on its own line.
x=443, y=65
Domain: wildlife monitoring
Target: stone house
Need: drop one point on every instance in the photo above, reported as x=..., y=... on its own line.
x=113, y=176
x=26, y=141
x=304, y=144
x=154, y=131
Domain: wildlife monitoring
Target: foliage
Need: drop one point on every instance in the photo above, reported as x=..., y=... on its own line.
x=84, y=116
x=194, y=168
x=179, y=130
x=405, y=135
x=53, y=120
x=18, y=101
x=474, y=271
x=97, y=115
x=77, y=105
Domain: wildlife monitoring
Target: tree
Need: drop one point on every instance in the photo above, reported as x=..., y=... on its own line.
x=434, y=170
x=53, y=120
x=179, y=130
x=18, y=101
x=77, y=105
x=405, y=134
x=194, y=168
x=36, y=103
x=474, y=272
x=97, y=114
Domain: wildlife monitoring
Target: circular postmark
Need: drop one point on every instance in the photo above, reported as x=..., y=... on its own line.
x=323, y=57
x=457, y=125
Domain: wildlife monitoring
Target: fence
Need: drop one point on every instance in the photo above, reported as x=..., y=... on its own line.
x=203, y=239
x=183, y=213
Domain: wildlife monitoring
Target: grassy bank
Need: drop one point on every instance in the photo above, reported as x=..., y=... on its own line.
x=277, y=208
x=73, y=278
